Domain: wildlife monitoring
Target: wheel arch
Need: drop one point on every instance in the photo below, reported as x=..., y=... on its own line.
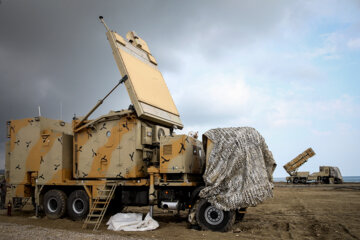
x=195, y=195
x=66, y=189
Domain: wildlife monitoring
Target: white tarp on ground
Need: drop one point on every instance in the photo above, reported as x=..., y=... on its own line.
x=239, y=169
x=131, y=222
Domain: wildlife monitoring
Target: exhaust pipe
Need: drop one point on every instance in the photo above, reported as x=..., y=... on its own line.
x=170, y=205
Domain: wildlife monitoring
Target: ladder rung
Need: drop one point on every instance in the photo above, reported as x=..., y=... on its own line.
x=94, y=215
x=97, y=209
x=91, y=222
x=101, y=202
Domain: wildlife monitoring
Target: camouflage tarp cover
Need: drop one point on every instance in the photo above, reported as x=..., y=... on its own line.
x=239, y=169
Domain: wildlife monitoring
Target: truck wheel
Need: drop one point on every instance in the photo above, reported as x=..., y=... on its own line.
x=303, y=180
x=78, y=205
x=211, y=218
x=54, y=204
x=296, y=180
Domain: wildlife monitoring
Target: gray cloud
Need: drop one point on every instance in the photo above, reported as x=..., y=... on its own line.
x=56, y=51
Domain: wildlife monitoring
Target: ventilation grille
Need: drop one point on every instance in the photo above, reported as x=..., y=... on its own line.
x=167, y=150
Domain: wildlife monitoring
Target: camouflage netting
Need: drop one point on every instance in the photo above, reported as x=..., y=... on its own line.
x=239, y=169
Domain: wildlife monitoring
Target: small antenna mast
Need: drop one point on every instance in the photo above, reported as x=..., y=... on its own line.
x=39, y=111
x=103, y=22
x=78, y=125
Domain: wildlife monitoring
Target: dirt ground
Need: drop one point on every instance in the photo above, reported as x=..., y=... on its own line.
x=295, y=212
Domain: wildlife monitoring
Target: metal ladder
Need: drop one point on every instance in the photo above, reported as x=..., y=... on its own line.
x=99, y=206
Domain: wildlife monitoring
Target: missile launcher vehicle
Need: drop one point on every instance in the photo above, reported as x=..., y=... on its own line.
x=134, y=158
x=326, y=174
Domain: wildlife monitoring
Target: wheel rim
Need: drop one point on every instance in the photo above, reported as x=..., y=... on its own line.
x=78, y=206
x=213, y=215
x=52, y=205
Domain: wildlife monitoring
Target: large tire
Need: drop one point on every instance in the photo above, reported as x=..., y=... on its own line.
x=211, y=218
x=296, y=180
x=78, y=205
x=54, y=204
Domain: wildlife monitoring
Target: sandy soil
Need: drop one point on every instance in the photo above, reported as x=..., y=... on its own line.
x=296, y=212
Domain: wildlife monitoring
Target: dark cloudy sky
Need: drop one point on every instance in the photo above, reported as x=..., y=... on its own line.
x=288, y=68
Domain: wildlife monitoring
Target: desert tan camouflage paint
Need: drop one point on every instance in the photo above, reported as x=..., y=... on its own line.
x=38, y=153
x=110, y=149
x=181, y=154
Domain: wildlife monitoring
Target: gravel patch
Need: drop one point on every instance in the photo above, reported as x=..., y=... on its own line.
x=29, y=232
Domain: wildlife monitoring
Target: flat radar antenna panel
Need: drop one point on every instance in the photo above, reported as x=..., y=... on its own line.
x=146, y=86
